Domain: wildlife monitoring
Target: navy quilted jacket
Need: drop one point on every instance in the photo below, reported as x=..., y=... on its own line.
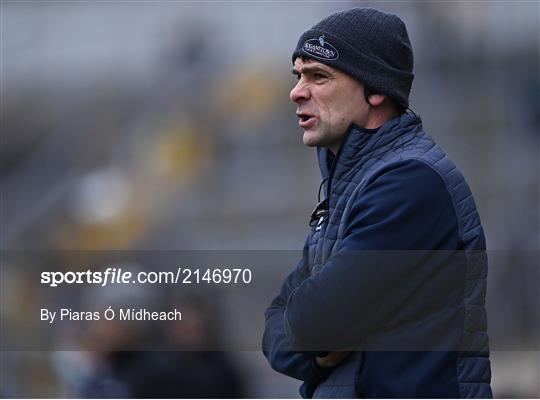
x=418, y=324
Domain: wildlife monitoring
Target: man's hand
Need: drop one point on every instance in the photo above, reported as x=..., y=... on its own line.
x=332, y=359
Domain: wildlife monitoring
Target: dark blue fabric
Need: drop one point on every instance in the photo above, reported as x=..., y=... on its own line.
x=276, y=345
x=390, y=189
x=399, y=210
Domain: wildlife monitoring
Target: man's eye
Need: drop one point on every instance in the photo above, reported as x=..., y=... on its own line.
x=318, y=76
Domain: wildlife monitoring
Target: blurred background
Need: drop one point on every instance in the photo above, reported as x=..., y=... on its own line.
x=167, y=126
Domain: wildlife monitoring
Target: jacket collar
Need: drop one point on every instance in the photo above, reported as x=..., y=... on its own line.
x=361, y=143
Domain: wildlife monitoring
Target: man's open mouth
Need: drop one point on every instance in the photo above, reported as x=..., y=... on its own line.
x=305, y=120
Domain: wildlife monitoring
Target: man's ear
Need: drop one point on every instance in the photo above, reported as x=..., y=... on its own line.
x=375, y=100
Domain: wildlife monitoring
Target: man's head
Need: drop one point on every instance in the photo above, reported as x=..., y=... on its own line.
x=354, y=66
x=328, y=101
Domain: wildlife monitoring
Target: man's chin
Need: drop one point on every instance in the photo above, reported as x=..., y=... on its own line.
x=310, y=138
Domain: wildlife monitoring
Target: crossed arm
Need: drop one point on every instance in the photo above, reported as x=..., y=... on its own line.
x=406, y=207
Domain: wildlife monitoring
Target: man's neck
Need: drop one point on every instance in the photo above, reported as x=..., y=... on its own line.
x=374, y=122
x=380, y=117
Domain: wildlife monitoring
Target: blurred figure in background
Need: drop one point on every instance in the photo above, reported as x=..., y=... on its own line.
x=186, y=373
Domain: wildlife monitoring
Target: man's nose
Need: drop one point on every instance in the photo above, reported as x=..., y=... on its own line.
x=299, y=92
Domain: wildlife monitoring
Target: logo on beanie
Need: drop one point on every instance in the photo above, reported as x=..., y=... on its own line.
x=320, y=48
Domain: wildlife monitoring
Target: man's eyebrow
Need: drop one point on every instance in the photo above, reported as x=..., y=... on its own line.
x=310, y=69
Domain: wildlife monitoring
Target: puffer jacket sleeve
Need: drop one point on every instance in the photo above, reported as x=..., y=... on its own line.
x=276, y=346
x=406, y=206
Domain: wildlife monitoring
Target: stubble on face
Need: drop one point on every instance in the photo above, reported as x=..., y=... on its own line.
x=328, y=101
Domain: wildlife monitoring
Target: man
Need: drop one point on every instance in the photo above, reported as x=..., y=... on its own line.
x=388, y=299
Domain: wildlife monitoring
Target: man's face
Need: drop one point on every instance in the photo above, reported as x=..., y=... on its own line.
x=328, y=101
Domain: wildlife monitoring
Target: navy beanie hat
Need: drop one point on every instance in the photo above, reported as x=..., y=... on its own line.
x=367, y=44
